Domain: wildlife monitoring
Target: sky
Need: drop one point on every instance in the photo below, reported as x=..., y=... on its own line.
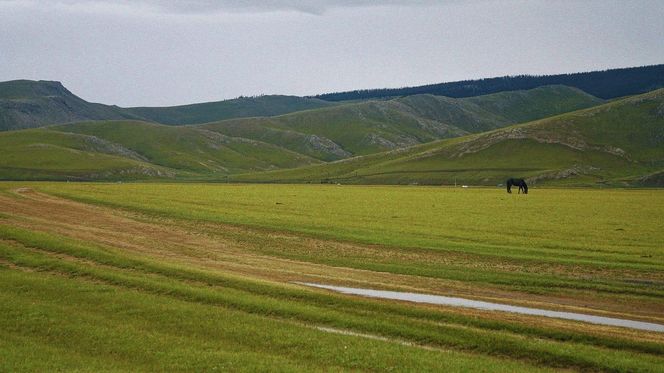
x=159, y=53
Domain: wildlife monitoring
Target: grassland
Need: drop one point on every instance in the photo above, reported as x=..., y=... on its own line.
x=199, y=277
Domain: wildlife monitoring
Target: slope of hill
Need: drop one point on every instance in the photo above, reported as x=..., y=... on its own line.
x=43, y=154
x=619, y=143
x=368, y=127
x=117, y=150
x=29, y=104
x=537, y=103
x=261, y=106
x=188, y=148
x=605, y=84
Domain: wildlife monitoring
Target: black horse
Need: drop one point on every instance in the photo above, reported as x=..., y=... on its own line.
x=517, y=182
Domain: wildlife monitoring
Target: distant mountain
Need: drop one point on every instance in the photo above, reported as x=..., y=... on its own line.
x=120, y=150
x=607, y=84
x=367, y=127
x=31, y=104
x=618, y=143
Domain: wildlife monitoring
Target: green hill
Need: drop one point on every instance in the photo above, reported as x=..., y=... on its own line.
x=619, y=143
x=261, y=106
x=44, y=154
x=110, y=150
x=537, y=103
x=362, y=128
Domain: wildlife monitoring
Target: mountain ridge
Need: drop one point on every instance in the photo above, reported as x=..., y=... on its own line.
x=605, y=84
x=33, y=104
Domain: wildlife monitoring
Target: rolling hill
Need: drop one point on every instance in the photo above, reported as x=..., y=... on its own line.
x=43, y=154
x=31, y=104
x=119, y=150
x=368, y=127
x=132, y=149
x=568, y=136
x=618, y=143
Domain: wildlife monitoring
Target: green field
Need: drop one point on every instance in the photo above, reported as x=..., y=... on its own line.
x=200, y=277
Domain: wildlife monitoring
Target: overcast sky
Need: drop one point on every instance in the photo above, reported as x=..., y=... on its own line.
x=150, y=52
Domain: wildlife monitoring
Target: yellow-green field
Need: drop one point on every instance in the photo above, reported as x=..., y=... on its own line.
x=200, y=277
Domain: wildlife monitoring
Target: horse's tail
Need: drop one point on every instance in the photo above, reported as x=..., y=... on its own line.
x=525, y=188
x=509, y=185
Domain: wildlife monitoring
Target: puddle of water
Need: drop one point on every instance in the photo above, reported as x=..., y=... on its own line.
x=469, y=303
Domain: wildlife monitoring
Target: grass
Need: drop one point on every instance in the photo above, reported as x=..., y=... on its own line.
x=114, y=328
x=563, y=243
x=167, y=284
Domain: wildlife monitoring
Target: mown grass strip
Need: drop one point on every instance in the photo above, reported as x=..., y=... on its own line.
x=58, y=323
x=540, y=244
x=549, y=353
x=119, y=260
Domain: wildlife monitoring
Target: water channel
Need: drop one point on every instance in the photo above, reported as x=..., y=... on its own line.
x=481, y=305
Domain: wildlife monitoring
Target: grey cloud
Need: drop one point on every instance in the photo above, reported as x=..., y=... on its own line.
x=155, y=53
x=174, y=7
x=306, y=6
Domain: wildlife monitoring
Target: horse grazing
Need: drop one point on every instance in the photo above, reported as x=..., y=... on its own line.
x=517, y=182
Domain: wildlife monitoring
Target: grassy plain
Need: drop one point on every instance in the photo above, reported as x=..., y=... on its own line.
x=199, y=277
